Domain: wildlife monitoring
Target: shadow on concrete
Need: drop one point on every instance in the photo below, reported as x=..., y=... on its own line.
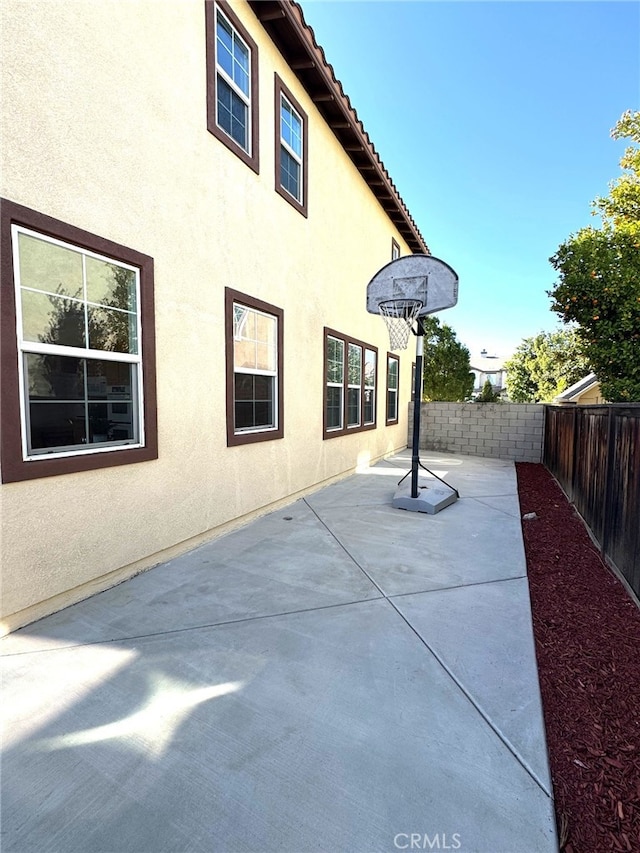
x=338, y=675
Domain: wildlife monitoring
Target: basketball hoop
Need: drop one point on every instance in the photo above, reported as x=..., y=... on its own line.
x=399, y=316
x=404, y=291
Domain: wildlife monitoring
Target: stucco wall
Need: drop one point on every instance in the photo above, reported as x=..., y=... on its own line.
x=105, y=128
x=592, y=397
x=499, y=430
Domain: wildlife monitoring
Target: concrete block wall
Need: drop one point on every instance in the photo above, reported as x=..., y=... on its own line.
x=500, y=430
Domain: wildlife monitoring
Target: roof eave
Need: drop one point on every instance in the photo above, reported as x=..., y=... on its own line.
x=575, y=391
x=284, y=22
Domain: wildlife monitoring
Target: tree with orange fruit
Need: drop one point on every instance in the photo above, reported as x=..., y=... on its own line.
x=599, y=278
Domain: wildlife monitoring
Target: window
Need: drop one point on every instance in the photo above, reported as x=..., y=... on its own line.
x=78, y=357
x=334, y=404
x=254, y=333
x=350, y=385
x=393, y=365
x=354, y=392
x=232, y=83
x=291, y=148
x=370, y=364
x=395, y=250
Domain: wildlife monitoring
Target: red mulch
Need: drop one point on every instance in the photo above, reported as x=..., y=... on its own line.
x=587, y=635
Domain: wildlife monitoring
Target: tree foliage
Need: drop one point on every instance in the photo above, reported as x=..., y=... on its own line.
x=447, y=375
x=621, y=208
x=108, y=330
x=544, y=366
x=599, y=278
x=488, y=394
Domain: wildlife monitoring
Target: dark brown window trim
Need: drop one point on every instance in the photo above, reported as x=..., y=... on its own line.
x=390, y=421
x=395, y=249
x=253, y=159
x=333, y=433
x=14, y=467
x=233, y=438
x=281, y=89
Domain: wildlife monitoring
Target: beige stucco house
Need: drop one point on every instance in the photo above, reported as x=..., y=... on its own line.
x=488, y=367
x=191, y=211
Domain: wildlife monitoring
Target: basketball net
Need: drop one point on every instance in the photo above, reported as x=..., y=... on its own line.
x=399, y=316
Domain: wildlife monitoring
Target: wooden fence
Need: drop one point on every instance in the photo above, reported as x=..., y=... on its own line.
x=594, y=453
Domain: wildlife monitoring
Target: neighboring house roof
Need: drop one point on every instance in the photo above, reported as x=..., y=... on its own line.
x=575, y=391
x=284, y=22
x=487, y=364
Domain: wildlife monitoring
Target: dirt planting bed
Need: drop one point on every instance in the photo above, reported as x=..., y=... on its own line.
x=587, y=635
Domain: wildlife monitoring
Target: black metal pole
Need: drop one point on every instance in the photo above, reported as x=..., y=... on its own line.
x=417, y=394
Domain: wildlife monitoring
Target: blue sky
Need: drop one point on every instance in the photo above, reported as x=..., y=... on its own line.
x=493, y=120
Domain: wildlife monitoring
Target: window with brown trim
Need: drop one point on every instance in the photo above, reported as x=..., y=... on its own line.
x=78, y=349
x=350, y=384
x=291, y=155
x=395, y=249
x=232, y=83
x=393, y=379
x=254, y=349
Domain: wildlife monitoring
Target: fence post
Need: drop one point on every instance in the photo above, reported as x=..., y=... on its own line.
x=545, y=437
x=608, y=482
x=575, y=433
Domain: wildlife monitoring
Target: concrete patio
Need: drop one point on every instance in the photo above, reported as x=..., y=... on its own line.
x=335, y=676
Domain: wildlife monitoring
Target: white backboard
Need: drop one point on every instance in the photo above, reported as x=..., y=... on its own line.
x=422, y=277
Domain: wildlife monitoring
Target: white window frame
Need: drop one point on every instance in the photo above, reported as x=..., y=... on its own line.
x=370, y=386
x=220, y=72
x=393, y=391
x=353, y=386
x=339, y=385
x=256, y=371
x=38, y=348
x=298, y=158
x=349, y=383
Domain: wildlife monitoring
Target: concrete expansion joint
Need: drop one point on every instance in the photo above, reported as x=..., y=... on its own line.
x=390, y=600
x=345, y=549
x=293, y=616
x=485, y=501
x=491, y=582
x=200, y=627
x=492, y=495
x=499, y=734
